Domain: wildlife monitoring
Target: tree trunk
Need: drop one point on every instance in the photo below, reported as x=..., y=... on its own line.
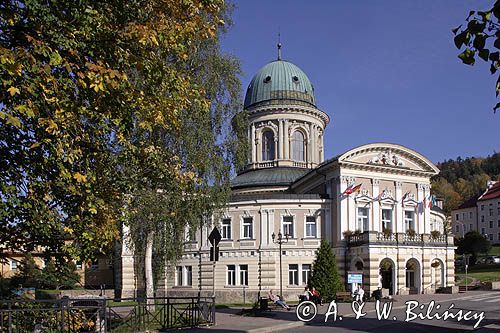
x=148, y=268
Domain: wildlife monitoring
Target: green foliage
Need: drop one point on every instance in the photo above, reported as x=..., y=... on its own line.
x=91, y=89
x=473, y=243
x=325, y=277
x=61, y=276
x=480, y=36
x=28, y=275
x=462, y=179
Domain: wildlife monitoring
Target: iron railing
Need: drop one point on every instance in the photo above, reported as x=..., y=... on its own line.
x=68, y=315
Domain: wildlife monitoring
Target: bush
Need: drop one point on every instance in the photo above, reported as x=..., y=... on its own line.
x=411, y=232
x=435, y=234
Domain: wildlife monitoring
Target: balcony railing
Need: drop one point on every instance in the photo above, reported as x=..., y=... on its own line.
x=375, y=237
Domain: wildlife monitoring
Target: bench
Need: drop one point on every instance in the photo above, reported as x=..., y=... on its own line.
x=343, y=296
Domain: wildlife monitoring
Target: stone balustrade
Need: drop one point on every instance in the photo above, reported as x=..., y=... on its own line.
x=374, y=237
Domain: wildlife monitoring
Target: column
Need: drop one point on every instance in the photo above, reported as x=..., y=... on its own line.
x=399, y=214
x=427, y=210
x=376, y=226
x=280, y=139
x=422, y=221
x=286, y=143
x=253, y=144
x=263, y=226
x=312, y=131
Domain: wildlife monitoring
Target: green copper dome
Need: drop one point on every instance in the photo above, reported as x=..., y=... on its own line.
x=280, y=82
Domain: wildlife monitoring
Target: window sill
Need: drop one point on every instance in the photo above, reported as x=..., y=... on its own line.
x=182, y=287
x=236, y=287
x=246, y=239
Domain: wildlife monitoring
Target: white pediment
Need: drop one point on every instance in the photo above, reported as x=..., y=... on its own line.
x=388, y=156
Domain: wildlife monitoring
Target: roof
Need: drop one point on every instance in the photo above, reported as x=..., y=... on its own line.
x=492, y=193
x=282, y=176
x=280, y=81
x=469, y=203
x=438, y=209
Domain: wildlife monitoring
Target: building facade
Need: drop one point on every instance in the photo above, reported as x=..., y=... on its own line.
x=385, y=228
x=480, y=213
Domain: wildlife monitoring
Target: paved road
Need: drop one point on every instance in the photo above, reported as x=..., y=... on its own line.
x=471, y=303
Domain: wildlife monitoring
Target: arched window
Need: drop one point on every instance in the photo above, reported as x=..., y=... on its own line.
x=268, y=153
x=298, y=149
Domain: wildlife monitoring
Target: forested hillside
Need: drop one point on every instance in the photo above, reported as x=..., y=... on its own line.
x=461, y=179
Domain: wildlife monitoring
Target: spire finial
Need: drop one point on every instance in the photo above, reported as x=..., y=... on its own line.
x=279, y=45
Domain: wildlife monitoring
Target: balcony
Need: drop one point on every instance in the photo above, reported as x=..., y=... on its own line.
x=379, y=238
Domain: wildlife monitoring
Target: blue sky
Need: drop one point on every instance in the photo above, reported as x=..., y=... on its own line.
x=384, y=71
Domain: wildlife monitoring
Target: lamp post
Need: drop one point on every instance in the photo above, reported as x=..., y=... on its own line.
x=279, y=240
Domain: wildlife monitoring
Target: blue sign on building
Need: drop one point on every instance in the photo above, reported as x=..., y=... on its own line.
x=354, y=277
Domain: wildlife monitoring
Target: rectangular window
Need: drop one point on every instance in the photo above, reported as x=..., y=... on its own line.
x=311, y=227
x=226, y=229
x=387, y=219
x=13, y=265
x=498, y=223
x=78, y=265
x=470, y=215
x=306, y=273
x=288, y=226
x=179, y=276
x=491, y=211
x=499, y=236
x=490, y=237
x=498, y=211
x=456, y=229
x=409, y=220
x=293, y=275
x=483, y=231
x=231, y=275
x=482, y=207
x=482, y=218
x=248, y=227
x=491, y=224
x=189, y=275
x=243, y=275
x=456, y=217
x=363, y=219
x=470, y=227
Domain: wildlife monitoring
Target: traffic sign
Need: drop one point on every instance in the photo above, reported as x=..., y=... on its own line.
x=214, y=237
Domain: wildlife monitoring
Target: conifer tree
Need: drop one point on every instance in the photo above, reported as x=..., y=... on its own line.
x=325, y=277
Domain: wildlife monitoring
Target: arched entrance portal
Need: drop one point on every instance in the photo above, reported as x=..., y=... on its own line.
x=413, y=276
x=437, y=273
x=387, y=271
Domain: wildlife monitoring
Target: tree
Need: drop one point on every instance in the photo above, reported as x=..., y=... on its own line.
x=86, y=85
x=176, y=174
x=473, y=243
x=325, y=277
x=480, y=36
x=28, y=275
x=62, y=275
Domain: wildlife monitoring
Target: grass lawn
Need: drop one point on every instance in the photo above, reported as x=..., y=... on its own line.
x=484, y=273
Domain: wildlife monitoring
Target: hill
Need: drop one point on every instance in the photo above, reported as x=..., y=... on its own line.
x=461, y=179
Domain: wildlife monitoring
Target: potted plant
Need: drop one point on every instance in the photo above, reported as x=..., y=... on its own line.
x=435, y=234
x=357, y=232
x=387, y=232
x=347, y=234
x=411, y=232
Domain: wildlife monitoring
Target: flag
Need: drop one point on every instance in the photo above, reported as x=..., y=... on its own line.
x=356, y=188
x=424, y=202
x=348, y=190
x=432, y=201
x=352, y=189
x=380, y=195
x=403, y=200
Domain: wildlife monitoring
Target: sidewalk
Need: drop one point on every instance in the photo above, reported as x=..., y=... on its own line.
x=229, y=320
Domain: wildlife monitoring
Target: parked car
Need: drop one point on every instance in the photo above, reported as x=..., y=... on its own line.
x=481, y=260
x=492, y=260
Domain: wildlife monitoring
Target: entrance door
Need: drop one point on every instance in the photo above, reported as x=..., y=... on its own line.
x=386, y=275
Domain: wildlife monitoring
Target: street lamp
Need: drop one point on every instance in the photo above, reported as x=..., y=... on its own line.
x=279, y=240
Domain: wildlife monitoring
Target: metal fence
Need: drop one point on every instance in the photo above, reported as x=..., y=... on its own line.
x=102, y=315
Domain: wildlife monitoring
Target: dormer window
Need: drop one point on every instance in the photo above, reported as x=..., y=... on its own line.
x=267, y=79
x=268, y=152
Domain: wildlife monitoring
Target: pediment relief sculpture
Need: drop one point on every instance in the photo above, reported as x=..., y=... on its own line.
x=387, y=158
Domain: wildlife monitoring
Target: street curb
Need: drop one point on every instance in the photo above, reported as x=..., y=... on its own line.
x=277, y=328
